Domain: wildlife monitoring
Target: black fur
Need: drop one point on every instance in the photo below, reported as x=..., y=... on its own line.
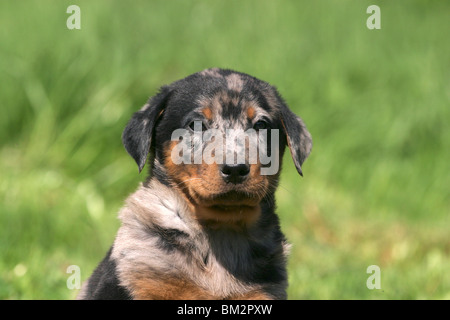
x=103, y=284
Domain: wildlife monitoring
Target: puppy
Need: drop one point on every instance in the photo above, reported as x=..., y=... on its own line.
x=203, y=224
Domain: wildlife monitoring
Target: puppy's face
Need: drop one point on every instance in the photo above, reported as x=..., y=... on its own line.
x=219, y=137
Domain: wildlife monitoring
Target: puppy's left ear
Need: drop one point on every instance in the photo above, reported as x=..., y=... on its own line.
x=298, y=137
x=137, y=136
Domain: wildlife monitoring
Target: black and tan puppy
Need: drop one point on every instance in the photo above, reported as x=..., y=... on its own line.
x=201, y=229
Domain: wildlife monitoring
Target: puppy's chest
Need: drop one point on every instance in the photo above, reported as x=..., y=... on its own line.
x=204, y=266
x=160, y=255
x=222, y=265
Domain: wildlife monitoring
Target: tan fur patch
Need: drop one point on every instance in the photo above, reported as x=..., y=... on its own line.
x=207, y=112
x=253, y=295
x=165, y=288
x=234, y=216
x=183, y=174
x=171, y=288
x=251, y=112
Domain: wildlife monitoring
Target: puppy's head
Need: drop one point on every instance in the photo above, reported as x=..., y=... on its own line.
x=219, y=137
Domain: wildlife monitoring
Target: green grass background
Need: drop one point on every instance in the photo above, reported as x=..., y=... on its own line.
x=376, y=186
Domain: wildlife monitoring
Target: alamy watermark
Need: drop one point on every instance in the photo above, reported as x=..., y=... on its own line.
x=234, y=146
x=374, y=20
x=374, y=280
x=74, y=280
x=74, y=20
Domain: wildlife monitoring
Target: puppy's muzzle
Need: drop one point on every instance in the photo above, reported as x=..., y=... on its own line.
x=235, y=173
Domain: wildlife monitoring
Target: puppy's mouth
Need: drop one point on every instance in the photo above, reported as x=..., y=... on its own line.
x=229, y=208
x=229, y=200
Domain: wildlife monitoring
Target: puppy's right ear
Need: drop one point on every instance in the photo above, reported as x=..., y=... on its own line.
x=137, y=136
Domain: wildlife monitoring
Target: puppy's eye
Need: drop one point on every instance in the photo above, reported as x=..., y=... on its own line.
x=197, y=124
x=261, y=124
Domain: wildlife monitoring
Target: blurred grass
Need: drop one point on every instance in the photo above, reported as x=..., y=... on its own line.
x=376, y=186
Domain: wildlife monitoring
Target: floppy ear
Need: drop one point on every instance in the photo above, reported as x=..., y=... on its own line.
x=298, y=138
x=137, y=136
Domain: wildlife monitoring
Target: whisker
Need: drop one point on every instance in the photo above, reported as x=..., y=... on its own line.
x=291, y=192
x=186, y=180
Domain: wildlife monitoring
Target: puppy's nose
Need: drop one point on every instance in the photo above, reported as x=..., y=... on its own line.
x=235, y=173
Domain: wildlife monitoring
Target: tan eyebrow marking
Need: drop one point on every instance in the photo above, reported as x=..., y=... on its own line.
x=251, y=112
x=207, y=112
